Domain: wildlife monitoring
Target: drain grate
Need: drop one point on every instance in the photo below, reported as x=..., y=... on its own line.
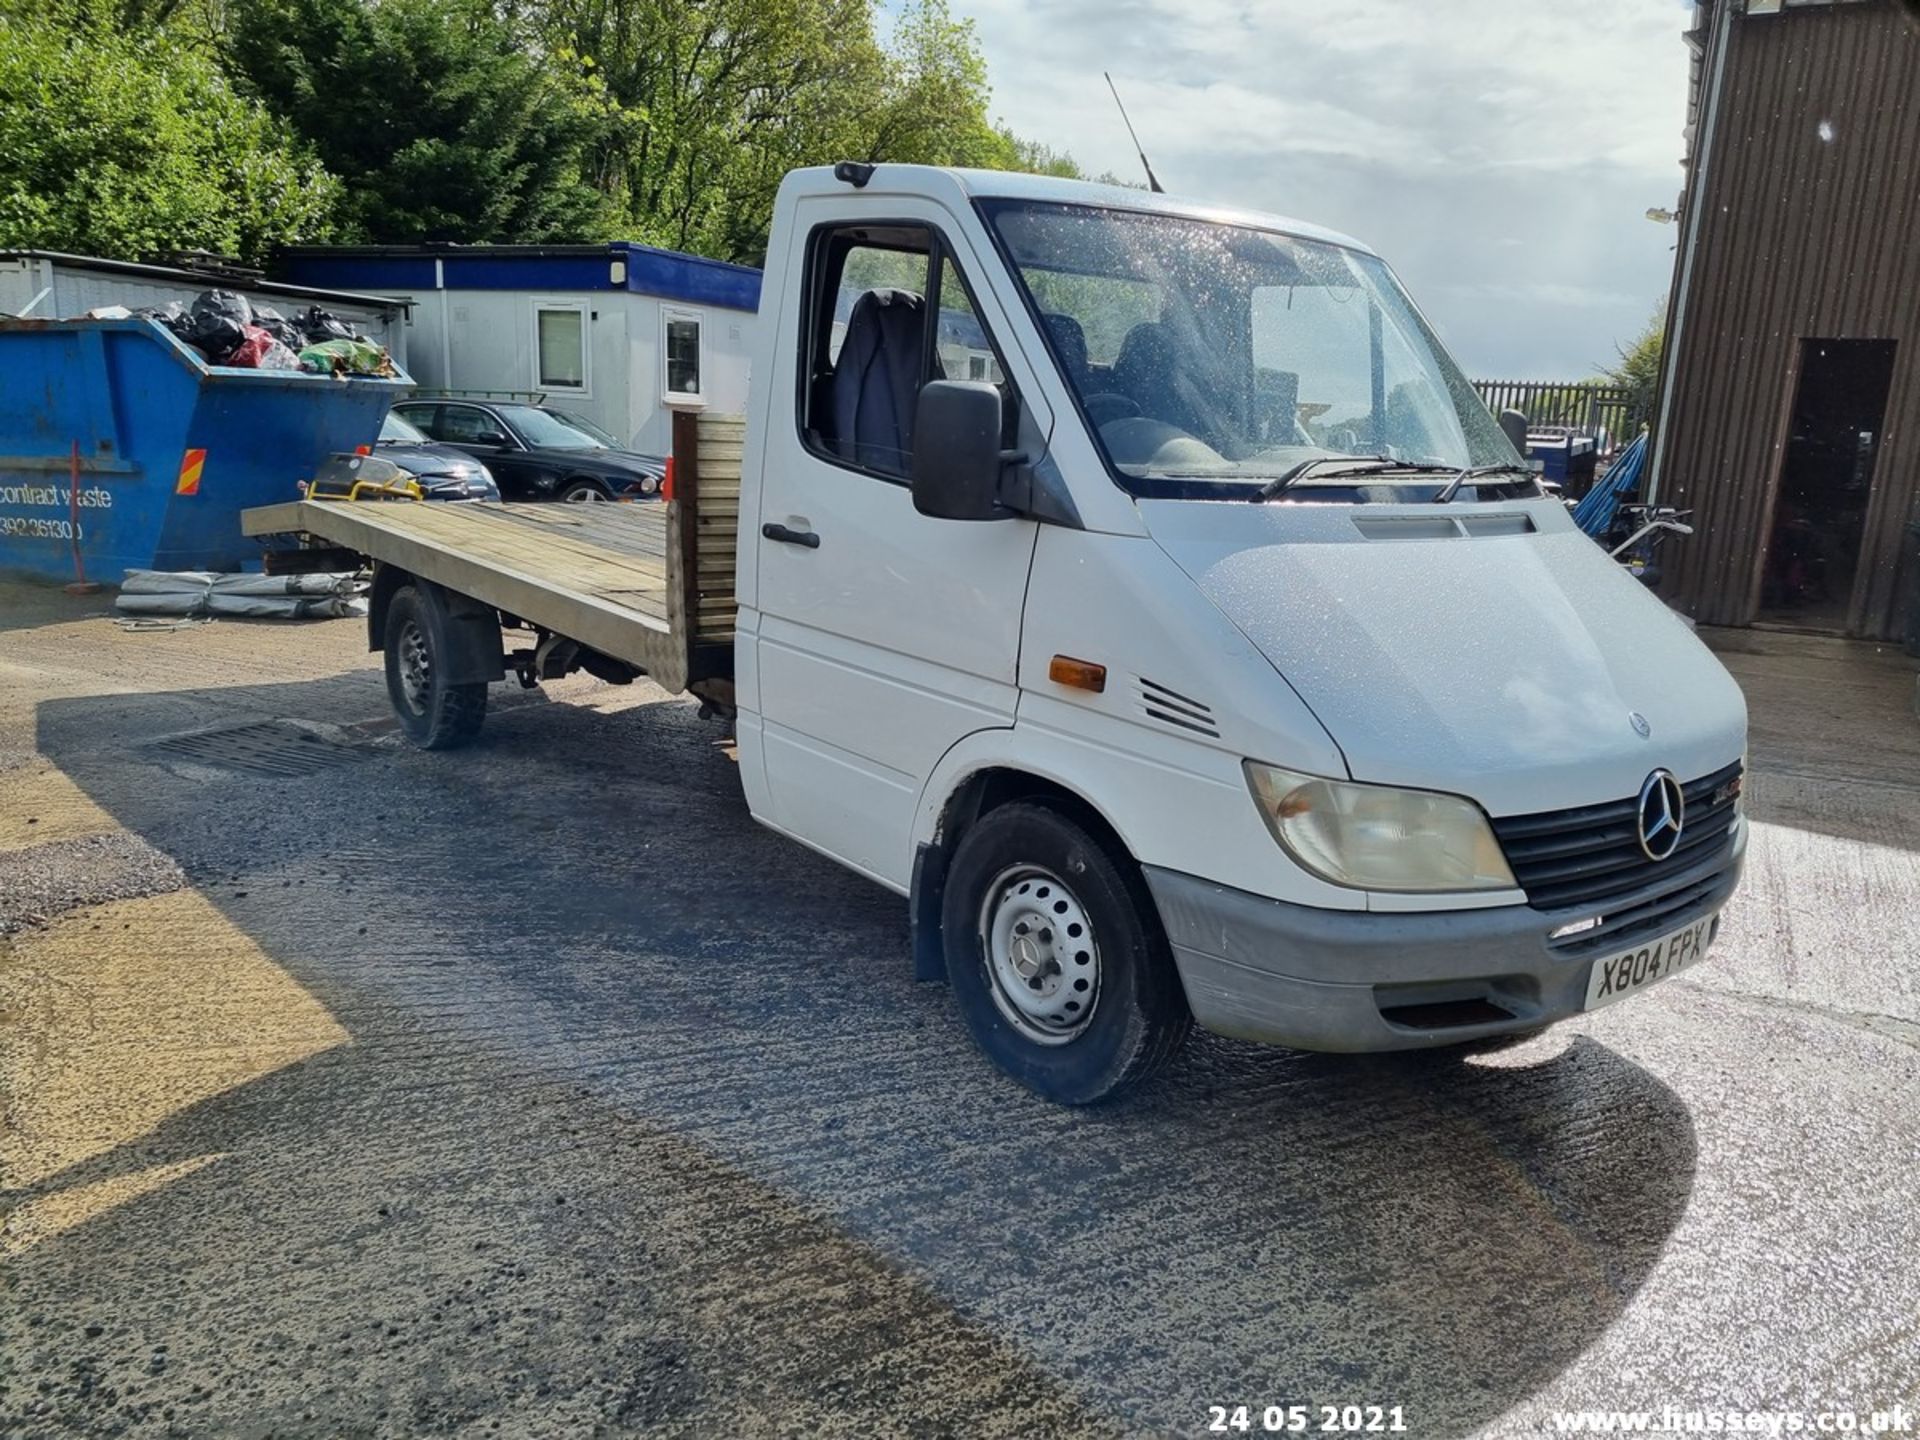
x=275, y=748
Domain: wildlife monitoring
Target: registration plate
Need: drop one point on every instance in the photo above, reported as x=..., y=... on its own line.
x=1614, y=977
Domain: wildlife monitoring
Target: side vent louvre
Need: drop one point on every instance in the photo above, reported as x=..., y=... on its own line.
x=1170, y=707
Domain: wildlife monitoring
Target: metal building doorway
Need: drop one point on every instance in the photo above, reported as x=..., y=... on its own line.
x=1826, y=481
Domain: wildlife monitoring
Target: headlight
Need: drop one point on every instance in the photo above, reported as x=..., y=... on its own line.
x=1374, y=837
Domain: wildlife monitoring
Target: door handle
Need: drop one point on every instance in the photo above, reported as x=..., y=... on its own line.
x=788, y=536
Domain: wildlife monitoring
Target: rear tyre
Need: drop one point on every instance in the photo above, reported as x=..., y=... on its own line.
x=1057, y=959
x=433, y=714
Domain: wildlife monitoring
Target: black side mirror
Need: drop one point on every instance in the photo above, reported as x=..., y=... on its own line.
x=955, y=473
x=490, y=437
x=1514, y=425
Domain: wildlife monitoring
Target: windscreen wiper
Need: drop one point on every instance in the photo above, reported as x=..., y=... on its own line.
x=1478, y=472
x=1368, y=465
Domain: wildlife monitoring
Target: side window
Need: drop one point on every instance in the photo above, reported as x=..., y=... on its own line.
x=965, y=351
x=463, y=424
x=680, y=358
x=560, y=349
x=427, y=417
x=887, y=311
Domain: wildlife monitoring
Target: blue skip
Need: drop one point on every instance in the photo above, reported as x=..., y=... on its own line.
x=122, y=449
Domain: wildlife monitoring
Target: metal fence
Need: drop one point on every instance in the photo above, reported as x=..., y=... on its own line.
x=1593, y=408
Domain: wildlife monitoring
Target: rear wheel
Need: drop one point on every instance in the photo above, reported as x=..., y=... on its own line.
x=1056, y=957
x=433, y=714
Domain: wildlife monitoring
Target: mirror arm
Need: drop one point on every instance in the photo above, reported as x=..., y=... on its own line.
x=1037, y=490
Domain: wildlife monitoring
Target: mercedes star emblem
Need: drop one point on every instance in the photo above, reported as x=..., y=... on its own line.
x=1663, y=810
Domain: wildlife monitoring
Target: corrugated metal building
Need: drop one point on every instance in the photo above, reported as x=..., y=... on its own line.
x=1789, y=419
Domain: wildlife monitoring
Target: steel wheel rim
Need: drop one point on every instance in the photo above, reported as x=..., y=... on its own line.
x=1042, y=958
x=416, y=667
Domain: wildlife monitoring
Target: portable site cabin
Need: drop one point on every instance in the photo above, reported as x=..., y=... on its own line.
x=621, y=333
x=47, y=285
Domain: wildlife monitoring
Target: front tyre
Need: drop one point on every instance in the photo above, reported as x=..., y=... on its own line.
x=1057, y=959
x=433, y=714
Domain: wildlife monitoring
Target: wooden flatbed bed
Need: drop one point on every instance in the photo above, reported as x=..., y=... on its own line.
x=648, y=583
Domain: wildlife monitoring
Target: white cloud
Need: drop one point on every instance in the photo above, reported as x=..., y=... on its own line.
x=1500, y=153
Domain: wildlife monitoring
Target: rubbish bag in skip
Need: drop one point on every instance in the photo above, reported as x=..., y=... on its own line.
x=346, y=357
x=260, y=351
x=275, y=597
x=322, y=325
x=219, y=323
x=223, y=303
x=281, y=328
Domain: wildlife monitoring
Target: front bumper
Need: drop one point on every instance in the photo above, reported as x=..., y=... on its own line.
x=1353, y=980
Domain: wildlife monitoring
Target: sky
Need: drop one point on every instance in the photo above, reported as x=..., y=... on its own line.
x=1501, y=154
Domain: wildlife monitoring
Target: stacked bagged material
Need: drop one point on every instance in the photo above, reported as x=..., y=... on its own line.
x=222, y=326
x=271, y=597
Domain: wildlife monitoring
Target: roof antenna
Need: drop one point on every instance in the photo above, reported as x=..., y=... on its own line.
x=1153, y=182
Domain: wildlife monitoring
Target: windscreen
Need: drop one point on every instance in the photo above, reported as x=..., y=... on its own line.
x=581, y=423
x=1205, y=352
x=397, y=430
x=546, y=430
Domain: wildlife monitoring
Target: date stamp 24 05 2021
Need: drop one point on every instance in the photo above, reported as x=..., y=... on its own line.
x=1307, y=1419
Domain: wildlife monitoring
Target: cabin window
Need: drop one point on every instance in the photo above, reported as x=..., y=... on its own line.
x=680, y=363
x=882, y=280
x=560, y=359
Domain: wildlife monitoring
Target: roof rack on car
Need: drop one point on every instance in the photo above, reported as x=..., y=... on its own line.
x=528, y=397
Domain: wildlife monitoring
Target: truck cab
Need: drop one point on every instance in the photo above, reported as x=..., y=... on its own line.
x=1141, y=589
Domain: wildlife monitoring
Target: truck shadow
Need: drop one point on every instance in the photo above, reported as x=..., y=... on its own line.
x=571, y=966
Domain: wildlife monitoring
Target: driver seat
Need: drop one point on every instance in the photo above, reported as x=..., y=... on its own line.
x=876, y=380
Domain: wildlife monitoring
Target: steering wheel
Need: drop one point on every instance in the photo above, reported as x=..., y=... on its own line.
x=1109, y=406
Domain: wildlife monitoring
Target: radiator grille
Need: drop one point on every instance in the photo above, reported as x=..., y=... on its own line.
x=1590, y=855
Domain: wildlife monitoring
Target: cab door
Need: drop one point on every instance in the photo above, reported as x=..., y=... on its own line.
x=883, y=636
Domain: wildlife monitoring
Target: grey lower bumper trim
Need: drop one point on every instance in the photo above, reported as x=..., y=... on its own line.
x=1348, y=980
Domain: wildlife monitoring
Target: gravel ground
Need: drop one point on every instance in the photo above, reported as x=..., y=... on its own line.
x=48, y=880
x=536, y=1091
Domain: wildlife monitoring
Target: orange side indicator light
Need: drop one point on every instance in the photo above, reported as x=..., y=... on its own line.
x=1077, y=674
x=666, y=481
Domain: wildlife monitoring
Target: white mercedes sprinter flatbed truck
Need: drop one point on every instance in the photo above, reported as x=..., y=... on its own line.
x=1139, y=589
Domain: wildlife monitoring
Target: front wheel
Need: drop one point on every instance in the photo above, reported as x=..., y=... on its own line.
x=582, y=492
x=1057, y=959
x=433, y=714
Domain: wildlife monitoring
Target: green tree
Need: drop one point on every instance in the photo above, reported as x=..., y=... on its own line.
x=439, y=116
x=931, y=105
x=1639, y=367
x=705, y=104
x=131, y=143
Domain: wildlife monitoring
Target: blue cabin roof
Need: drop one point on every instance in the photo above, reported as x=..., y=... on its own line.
x=410, y=269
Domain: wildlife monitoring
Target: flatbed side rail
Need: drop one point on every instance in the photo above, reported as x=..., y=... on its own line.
x=556, y=578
